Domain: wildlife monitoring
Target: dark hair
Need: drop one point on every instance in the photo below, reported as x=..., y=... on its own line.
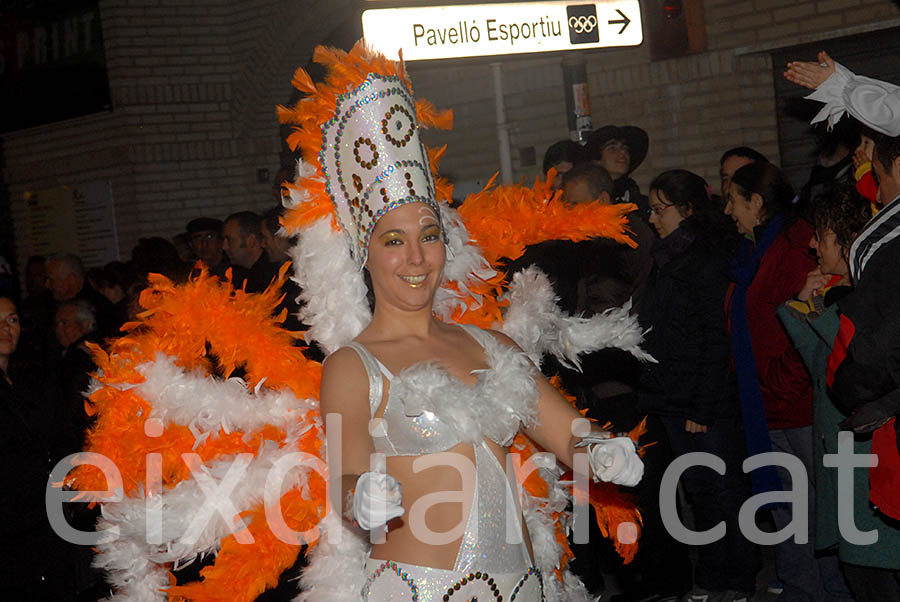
x=114, y=273
x=248, y=222
x=844, y=211
x=887, y=149
x=684, y=189
x=768, y=182
x=271, y=219
x=564, y=150
x=845, y=132
x=159, y=256
x=70, y=263
x=598, y=179
x=743, y=151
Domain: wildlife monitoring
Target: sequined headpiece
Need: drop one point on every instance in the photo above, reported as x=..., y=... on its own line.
x=360, y=128
x=372, y=158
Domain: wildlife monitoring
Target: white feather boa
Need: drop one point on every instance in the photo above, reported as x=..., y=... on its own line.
x=337, y=565
x=137, y=569
x=334, y=291
x=535, y=322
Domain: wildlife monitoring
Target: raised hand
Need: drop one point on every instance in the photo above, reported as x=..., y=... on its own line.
x=810, y=74
x=815, y=283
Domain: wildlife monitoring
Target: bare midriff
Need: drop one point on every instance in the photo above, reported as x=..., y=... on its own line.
x=437, y=544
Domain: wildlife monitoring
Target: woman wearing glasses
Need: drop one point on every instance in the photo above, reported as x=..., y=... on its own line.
x=691, y=389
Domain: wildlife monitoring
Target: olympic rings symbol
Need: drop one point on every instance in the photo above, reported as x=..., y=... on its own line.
x=583, y=24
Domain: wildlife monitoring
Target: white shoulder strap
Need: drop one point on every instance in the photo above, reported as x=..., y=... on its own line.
x=374, y=370
x=481, y=336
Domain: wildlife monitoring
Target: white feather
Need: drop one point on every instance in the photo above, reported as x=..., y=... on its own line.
x=298, y=196
x=134, y=577
x=535, y=322
x=333, y=301
x=137, y=569
x=465, y=265
x=337, y=565
x=334, y=291
x=206, y=404
x=504, y=397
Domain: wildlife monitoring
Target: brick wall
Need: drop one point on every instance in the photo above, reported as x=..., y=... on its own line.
x=194, y=84
x=693, y=107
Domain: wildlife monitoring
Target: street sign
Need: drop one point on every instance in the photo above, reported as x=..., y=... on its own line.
x=441, y=32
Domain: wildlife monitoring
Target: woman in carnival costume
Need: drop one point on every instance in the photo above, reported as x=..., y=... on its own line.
x=450, y=399
x=447, y=400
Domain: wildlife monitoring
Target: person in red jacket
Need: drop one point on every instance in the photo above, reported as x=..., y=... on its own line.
x=769, y=268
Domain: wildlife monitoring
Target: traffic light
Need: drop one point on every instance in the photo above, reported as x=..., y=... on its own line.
x=676, y=27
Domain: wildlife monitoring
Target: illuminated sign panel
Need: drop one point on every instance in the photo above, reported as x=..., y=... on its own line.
x=440, y=32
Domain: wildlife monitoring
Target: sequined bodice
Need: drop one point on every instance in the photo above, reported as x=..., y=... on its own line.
x=429, y=411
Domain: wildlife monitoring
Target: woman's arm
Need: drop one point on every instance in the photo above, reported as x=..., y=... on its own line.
x=344, y=396
x=368, y=496
x=553, y=428
x=611, y=458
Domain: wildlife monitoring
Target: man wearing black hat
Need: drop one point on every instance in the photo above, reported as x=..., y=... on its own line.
x=620, y=150
x=205, y=237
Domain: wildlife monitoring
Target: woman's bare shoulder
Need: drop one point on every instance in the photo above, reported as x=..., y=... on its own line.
x=343, y=358
x=344, y=377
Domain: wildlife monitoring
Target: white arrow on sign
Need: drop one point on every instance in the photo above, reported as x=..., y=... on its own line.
x=437, y=32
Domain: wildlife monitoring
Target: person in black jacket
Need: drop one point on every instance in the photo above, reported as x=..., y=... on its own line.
x=691, y=388
x=37, y=563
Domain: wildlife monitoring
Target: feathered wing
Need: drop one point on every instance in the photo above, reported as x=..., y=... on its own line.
x=183, y=436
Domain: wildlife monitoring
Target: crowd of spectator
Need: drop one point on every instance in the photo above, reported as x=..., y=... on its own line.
x=739, y=292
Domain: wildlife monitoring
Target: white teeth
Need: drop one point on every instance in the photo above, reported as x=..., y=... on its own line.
x=414, y=280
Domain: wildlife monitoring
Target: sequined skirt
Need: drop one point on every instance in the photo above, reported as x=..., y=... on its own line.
x=391, y=581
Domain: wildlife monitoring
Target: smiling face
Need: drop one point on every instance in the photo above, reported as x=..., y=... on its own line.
x=743, y=210
x=664, y=216
x=406, y=257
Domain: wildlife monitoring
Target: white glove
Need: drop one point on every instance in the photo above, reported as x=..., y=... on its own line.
x=376, y=500
x=615, y=460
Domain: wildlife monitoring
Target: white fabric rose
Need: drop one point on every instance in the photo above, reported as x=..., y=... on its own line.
x=376, y=500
